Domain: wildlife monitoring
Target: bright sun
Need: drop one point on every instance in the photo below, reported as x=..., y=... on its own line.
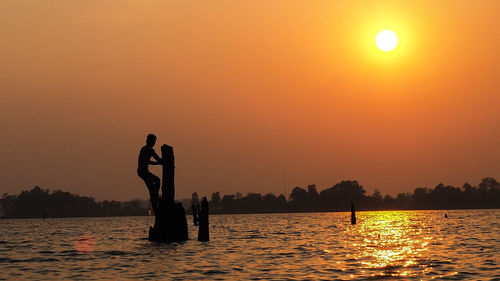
x=386, y=40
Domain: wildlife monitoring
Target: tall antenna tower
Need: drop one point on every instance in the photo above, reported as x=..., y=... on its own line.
x=285, y=184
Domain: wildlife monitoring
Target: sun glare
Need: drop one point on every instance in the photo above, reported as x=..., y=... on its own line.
x=386, y=40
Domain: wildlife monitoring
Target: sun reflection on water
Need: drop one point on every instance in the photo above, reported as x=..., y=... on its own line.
x=388, y=244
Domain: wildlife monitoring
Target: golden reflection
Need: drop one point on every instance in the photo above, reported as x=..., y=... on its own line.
x=388, y=243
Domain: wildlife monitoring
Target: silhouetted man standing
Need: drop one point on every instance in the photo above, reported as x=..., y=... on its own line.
x=152, y=181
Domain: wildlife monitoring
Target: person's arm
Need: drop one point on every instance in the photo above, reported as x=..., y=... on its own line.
x=156, y=157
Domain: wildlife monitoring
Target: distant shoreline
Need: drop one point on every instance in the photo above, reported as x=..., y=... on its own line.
x=251, y=213
x=40, y=203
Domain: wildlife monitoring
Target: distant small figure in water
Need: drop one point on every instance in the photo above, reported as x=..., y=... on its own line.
x=152, y=181
x=43, y=215
x=353, y=214
x=445, y=216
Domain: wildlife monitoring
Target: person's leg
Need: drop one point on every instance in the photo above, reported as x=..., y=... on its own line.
x=156, y=183
x=153, y=184
x=150, y=181
x=154, y=199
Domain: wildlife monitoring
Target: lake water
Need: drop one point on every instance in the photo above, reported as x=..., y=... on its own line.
x=404, y=245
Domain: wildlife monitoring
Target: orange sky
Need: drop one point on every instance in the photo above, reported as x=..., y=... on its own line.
x=247, y=91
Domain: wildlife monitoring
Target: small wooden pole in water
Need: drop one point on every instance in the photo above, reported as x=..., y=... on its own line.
x=203, y=231
x=353, y=214
x=194, y=210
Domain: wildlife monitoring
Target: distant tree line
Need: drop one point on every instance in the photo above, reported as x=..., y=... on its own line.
x=339, y=198
x=38, y=203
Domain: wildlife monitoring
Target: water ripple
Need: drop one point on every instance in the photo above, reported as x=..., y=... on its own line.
x=409, y=245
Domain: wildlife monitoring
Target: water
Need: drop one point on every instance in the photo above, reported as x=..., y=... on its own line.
x=405, y=245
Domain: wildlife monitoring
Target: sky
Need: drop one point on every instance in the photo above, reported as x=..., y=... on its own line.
x=254, y=96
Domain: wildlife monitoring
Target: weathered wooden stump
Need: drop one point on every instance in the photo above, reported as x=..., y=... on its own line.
x=170, y=221
x=167, y=183
x=203, y=230
x=194, y=210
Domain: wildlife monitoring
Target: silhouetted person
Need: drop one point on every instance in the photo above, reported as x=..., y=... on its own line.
x=152, y=181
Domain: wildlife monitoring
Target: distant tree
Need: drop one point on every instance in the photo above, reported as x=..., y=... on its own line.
x=340, y=196
x=270, y=202
x=282, y=202
x=376, y=200
x=389, y=202
x=238, y=195
x=445, y=196
x=421, y=197
x=215, y=201
x=254, y=200
x=489, y=184
x=111, y=208
x=133, y=208
x=488, y=194
x=312, y=197
x=403, y=201
x=298, y=198
x=228, y=203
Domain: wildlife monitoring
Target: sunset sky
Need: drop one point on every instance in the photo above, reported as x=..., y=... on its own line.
x=246, y=92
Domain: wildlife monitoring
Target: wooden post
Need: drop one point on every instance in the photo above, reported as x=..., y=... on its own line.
x=194, y=209
x=203, y=230
x=168, y=182
x=353, y=214
x=170, y=221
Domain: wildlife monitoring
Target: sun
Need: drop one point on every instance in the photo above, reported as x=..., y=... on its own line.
x=386, y=40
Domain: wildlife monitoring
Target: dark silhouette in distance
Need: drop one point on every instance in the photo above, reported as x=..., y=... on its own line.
x=152, y=182
x=353, y=214
x=194, y=211
x=57, y=203
x=60, y=204
x=203, y=230
x=195, y=208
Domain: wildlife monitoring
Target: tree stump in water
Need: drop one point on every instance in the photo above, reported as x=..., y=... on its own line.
x=170, y=221
x=194, y=210
x=203, y=230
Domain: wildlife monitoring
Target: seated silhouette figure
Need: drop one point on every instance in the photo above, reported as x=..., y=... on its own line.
x=152, y=181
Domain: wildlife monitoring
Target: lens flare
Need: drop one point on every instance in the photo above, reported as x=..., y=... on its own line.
x=85, y=244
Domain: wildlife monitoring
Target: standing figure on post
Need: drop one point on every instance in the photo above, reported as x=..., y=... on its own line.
x=152, y=181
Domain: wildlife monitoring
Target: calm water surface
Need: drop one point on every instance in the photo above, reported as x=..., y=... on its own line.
x=404, y=245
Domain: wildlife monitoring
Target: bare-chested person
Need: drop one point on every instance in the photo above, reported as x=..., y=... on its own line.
x=152, y=181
